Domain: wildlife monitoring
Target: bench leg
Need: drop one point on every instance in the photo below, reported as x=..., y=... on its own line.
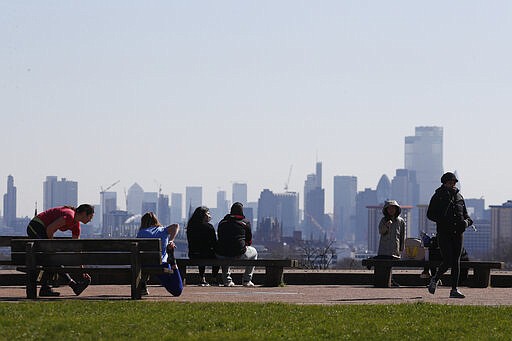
x=382, y=276
x=136, y=272
x=273, y=276
x=32, y=273
x=31, y=289
x=481, y=277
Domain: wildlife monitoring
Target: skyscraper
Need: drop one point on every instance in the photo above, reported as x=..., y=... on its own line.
x=193, y=199
x=365, y=198
x=501, y=229
x=10, y=203
x=150, y=202
x=314, y=206
x=424, y=155
x=134, y=199
x=404, y=187
x=344, y=210
x=383, y=189
x=163, y=210
x=59, y=193
x=239, y=193
x=280, y=208
x=176, y=207
x=108, y=205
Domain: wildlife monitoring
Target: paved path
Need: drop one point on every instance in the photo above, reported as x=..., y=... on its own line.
x=295, y=294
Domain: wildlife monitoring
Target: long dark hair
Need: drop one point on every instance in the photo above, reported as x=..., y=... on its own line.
x=148, y=219
x=198, y=216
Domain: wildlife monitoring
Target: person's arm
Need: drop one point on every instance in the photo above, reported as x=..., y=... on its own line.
x=403, y=231
x=54, y=226
x=173, y=232
x=433, y=209
x=384, y=226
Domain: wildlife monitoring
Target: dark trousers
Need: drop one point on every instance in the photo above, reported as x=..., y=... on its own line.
x=450, y=245
x=36, y=230
x=202, y=269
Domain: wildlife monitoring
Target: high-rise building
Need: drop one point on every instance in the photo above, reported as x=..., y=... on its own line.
x=314, y=206
x=163, y=210
x=150, y=202
x=59, y=193
x=405, y=189
x=193, y=199
x=344, y=210
x=239, y=193
x=108, y=205
x=10, y=203
x=281, y=208
x=134, y=199
x=424, y=155
x=383, y=189
x=176, y=207
x=365, y=198
x=501, y=228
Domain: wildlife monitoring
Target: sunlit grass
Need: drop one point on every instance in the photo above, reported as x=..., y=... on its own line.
x=107, y=320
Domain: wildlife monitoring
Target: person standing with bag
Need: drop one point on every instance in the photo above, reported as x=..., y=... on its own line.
x=448, y=210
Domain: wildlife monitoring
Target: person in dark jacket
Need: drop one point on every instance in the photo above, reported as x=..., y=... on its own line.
x=448, y=209
x=202, y=240
x=234, y=241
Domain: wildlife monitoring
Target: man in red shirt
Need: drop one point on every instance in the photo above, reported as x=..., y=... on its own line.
x=63, y=218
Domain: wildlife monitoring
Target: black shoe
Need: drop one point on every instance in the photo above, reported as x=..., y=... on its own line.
x=144, y=289
x=170, y=256
x=47, y=291
x=79, y=287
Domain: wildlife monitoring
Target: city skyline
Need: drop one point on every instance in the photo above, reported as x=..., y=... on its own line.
x=173, y=94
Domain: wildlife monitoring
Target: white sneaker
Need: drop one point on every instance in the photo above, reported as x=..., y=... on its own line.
x=229, y=284
x=248, y=284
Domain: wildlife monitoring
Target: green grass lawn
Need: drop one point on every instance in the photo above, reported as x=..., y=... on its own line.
x=124, y=320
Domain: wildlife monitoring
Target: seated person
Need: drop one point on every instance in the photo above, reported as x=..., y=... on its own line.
x=234, y=241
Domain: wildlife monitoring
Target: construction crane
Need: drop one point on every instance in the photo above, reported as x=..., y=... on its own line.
x=288, y=180
x=109, y=187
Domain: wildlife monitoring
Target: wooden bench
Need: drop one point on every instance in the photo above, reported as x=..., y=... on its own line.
x=382, y=269
x=137, y=256
x=273, y=267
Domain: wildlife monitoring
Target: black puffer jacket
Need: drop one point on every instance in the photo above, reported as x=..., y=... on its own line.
x=448, y=209
x=234, y=235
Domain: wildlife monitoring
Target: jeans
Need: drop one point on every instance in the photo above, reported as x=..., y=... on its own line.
x=250, y=253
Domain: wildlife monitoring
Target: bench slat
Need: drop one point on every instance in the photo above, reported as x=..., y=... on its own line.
x=89, y=258
x=75, y=245
x=289, y=263
x=396, y=263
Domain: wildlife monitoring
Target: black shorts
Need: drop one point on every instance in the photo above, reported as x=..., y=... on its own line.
x=36, y=230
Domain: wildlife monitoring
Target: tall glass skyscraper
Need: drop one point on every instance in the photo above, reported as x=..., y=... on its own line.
x=59, y=193
x=10, y=203
x=344, y=210
x=424, y=155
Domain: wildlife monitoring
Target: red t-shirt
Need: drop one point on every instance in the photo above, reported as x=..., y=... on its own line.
x=49, y=216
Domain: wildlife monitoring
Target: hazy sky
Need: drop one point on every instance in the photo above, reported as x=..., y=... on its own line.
x=168, y=93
